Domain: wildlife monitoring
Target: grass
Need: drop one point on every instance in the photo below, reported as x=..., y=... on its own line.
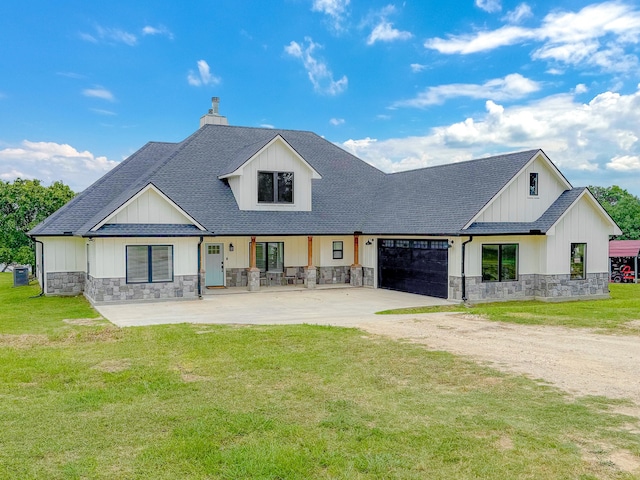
x=612, y=314
x=283, y=402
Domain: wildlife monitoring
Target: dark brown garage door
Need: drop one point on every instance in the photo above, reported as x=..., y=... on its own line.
x=414, y=266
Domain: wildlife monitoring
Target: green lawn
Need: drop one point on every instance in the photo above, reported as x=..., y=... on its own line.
x=611, y=314
x=82, y=400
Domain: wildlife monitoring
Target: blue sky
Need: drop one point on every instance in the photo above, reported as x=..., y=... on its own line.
x=400, y=84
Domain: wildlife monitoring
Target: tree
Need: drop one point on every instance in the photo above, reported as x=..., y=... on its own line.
x=24, y=204
x=623, y=207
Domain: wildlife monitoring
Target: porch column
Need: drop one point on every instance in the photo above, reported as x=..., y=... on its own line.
x=310, y=270
x=356, y=268
x=253, y=273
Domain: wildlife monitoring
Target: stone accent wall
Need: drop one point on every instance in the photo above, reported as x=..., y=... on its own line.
x=118, y=290
x=356, y=276
x=236, y=277
x=334, y=275
x=557, y=287
x=368, y=276
x=541, y=287
x=65, y=283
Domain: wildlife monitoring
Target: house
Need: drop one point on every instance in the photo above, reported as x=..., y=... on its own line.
x=254, y=207
x=624, y=259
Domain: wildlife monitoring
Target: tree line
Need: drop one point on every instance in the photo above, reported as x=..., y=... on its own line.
x=25, y=203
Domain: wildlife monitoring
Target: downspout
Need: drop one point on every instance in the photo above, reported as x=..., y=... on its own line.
x=464, y=281
x=200, y=267
x=41, y=265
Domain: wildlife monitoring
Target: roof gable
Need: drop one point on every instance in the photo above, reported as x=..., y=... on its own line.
x=251, y=152
x=512, y=194
x=148, y=206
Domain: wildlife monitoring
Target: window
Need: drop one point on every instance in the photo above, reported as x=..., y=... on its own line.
x=149, y=263
x=269, y=256
x=275, y=187
x=578, y=261
x=213, y=249
x=499, y=262
x=533, y=184
x=337, y=250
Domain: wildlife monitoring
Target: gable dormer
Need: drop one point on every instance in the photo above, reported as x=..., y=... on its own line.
x=274, y=178
x=528, y=195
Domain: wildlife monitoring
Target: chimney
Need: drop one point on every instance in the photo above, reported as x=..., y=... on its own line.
x=214, y=117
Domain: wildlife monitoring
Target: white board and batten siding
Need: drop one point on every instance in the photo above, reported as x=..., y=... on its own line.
x=110, y=255
x=277, y=157
x=65, y=254
x=149, y=207
x=583, y=223
x=514, y=204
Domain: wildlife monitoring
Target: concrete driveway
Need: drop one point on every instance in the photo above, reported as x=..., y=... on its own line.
x=332, y=306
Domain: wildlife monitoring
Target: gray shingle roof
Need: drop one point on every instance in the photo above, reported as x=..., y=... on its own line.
x=351, y=196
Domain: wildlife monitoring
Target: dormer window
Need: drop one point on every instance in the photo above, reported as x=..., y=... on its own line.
x=533, y=184
x=275, y=187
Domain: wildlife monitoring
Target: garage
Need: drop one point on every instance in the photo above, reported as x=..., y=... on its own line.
x=414, y=266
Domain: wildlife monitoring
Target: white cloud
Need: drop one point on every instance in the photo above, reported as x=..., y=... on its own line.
x=520, y=13
x=588, y=141
x=50, y=161
x=335, y=9
x=510, y=87
x=489, y=5
x=384, y=32
x=625, y=163
x=99, y=92
x=597, y=35
x=101, y=111
x=336, y=121
x=159, y=30
x=417, y=67
x=317, y=70
x=110, y=35
x=581, y=88
x=204, y=76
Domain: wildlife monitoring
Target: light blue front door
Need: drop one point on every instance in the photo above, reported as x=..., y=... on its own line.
x=214, y=265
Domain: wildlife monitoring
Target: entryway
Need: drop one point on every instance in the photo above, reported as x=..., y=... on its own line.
x=214, y=265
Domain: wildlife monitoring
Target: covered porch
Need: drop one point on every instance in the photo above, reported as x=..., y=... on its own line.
x=256, y=262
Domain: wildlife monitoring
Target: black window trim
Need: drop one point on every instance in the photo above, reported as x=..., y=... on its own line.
x=150, y=263
x=266, y=250
x=337, y=251
x=537, y=184
x=274, y=174
x=584, y=261
x=500, y=245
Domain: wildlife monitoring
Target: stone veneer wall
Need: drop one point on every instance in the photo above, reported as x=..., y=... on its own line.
x=65, y=283
x=543, y=287
x=334, y=275
x=236, y=277
x=118, y=290
x=368, y=279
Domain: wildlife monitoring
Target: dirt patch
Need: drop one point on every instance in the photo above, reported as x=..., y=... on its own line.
x=87, y=322
x=113, y=366
x=578, y=361
x=23, y=340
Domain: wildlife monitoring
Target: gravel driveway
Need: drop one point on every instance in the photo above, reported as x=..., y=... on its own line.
x=578, y=361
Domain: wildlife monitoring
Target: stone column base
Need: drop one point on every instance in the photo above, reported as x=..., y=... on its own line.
x=253, y=279
x=356, y=275
x=310, y=277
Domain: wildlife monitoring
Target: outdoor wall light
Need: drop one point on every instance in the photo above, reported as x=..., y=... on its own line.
x=231, y=247
x=369, y=242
